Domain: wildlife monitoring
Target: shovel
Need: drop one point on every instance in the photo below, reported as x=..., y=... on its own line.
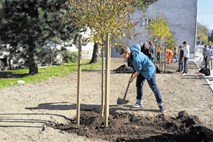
x=124, y=101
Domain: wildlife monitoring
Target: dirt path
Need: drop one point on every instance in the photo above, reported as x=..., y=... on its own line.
x=25, y=109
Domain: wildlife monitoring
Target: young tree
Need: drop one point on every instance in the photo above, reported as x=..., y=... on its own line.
x=106, y=16
x=171, y=42
x=159, y=29
x=103, y=17
x=32, y=23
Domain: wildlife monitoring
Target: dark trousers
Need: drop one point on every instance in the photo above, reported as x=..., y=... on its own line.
x=206, y=61
x=152, y=84
x=158, y=56
x=185, y=65
x=180, y=65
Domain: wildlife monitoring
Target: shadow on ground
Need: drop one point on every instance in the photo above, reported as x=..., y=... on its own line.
x=15, y=120
x=85, y=107
x=12, y=75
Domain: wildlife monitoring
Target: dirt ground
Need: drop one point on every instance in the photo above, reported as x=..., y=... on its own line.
x=128, y=127
x=29, y=112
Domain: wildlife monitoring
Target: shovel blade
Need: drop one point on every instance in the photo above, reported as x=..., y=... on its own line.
x=122, y=101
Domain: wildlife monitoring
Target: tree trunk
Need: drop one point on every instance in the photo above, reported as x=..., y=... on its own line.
x=95, y=54
x=33, y=69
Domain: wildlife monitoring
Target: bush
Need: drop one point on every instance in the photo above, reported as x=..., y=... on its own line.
x=69, y=56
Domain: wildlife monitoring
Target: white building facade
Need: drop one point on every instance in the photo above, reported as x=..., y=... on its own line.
x=181, y=16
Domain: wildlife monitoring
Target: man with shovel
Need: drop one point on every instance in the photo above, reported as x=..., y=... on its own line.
x=144, y=70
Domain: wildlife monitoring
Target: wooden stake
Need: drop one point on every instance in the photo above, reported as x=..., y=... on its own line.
x=102, y=84
x=107, y=80
x=79, y=82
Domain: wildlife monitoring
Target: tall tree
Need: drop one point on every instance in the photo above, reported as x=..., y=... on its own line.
x=32, y=23
x=211, y=36
x=95, y=53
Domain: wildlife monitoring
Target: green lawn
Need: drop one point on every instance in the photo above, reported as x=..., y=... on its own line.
x=9, y=78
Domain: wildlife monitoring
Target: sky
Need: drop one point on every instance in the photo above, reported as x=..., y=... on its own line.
x=205, y=13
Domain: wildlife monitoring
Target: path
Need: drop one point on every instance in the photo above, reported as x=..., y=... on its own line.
x=198, y=61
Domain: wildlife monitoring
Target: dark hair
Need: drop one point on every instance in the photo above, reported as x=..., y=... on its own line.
x=144, y=46
x=124, y=49
x=184, y=42
x=121, y=51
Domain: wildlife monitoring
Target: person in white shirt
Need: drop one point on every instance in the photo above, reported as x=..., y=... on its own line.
x=186, y=53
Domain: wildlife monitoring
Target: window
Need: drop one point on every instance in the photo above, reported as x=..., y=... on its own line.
x=145, y=22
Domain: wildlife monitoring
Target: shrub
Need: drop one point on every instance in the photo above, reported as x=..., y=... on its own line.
x=69, y=56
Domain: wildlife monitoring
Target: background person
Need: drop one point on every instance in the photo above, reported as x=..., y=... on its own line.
x=180, y=61
x=186, y=54
x=148, y=51
x=169, y=55
x=175, y=54
x=205, y=56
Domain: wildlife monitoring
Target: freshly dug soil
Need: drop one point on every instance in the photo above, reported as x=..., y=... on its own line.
x=128, y=127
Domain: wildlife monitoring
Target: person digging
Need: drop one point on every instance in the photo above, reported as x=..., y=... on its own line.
x=144, y=70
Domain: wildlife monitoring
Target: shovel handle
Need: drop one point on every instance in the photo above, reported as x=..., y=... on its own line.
x=127, y=88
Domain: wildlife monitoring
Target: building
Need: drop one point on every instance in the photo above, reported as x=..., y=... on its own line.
x=181, y=16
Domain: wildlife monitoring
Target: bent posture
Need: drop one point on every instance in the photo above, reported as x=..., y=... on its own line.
x=144, y=70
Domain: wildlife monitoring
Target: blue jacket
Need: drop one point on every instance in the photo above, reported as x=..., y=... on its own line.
x=141, y=63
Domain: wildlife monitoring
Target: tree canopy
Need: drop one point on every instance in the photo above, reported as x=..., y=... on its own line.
x=159, y=28
x=202, y=33
x=106, y=16
x=102, y=17
x=31, y=23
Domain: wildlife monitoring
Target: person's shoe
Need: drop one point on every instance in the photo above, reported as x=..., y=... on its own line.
x=184, y=74
x=137, y=105
x=162, y=109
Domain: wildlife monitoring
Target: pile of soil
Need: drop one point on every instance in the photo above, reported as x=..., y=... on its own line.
x=128, y=127
x=123, y=69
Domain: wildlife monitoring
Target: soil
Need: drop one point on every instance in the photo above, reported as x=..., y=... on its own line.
x=128, y=127
x=46, y=111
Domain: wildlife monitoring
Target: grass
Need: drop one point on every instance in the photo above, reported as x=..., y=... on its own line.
x=9, y=78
